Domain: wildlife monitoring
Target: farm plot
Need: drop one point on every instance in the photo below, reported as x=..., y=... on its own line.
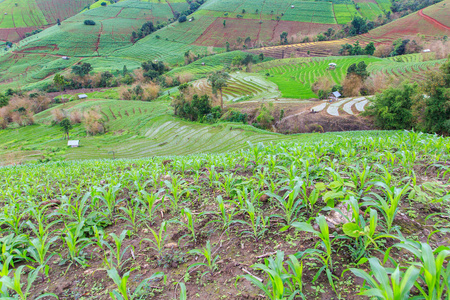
x=61, y=9
x=345, y=13
x=370, y=10
x=439, y=12
x=115, y=209
x=241, y=86
x=316, y=12
x=295, y=77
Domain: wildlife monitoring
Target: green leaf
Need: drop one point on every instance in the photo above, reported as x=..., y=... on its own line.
x=352, y=230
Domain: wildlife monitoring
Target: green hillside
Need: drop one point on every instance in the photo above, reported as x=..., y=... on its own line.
x=25, y=16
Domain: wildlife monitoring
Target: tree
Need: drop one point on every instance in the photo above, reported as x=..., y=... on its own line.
x=124, y=70
x=224, y=23
x=436, y=111
x=399, y=47
x=58, y=21
x=218, y=81
x=369, y=49
x=4, y=100
x=358, y=26
x=66, y=126
x=283, y=37
x=89, y=22
x=182, y=19
x=261, y=56
x=359, y=70
x=59, y=81
x=82, y=70
x=227, y=45
x=393, y=108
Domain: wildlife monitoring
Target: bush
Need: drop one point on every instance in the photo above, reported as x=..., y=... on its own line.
x=393, y=108
x=182, y=19
x=89, y=22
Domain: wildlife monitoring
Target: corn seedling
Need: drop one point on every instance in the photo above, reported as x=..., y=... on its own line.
x=211, y=262
x=22, y=290
x=378, y=284
x=257, y=223
x=123, y=292
x=117, y=255
x=159, y=239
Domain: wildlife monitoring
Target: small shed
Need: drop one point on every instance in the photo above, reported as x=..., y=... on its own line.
x=426, y=50
x=332, y=66
x=65, y=57
x=73, y=143
x=292, y=6
x=336, y=94
x=82, y=96
x=203, y=63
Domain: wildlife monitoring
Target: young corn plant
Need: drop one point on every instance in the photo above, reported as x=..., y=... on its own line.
x=434, y=275
x=289, y=203
x=310, y=198
x=39, y=250
x=23, y=291
x=75, y=243
x=362, y=232
x=159, y=239
x=323, y=256
x=388, y=205
x=257, y=223
x=281, y=284
x=123, y=291
x=117, y=255
x=151, y=203
x=175, y=190
x=211, y=262
x=108, y=195
x=188, y=224
x=132, y=215
x=225, y=215
x=378, y=284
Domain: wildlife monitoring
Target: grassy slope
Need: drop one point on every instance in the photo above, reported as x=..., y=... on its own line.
x=296, y=76
x=147, y=130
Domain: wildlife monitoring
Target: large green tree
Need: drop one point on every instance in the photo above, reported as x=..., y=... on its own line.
x=66, y=126
x=218, y=81
x=393, y=108
x=82, y=70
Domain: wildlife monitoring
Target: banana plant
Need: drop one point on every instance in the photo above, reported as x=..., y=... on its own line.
x=123, y=291
x=378, y=284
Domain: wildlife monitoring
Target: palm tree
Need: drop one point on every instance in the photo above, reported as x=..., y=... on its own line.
x=218, y=81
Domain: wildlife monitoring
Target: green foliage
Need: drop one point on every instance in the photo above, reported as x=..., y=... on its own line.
x=378, y=284
x=218, y=81
x=282, y=283
x=82, y=70
x=89, y=22
x=393, y=108
x=66, y=126
x=359, y=70
x=123, y=292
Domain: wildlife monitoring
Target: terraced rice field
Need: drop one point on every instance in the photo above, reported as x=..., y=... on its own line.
x=294, y=77
x=346, y=106
x=242, y=85
x=137, y=129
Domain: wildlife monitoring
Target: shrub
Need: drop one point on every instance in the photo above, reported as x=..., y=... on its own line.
x=89, y=22
x=182, y=19
x=393, y=108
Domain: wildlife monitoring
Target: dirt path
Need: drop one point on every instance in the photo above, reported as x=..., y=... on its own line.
x=434, y=21
x=97, y=44
x=171, y=8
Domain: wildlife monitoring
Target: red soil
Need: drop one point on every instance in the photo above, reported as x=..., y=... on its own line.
x=433, y=21
x=266, y=32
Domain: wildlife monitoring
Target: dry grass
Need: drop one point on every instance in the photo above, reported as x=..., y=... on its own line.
x=352, y=85
x=93, y=121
